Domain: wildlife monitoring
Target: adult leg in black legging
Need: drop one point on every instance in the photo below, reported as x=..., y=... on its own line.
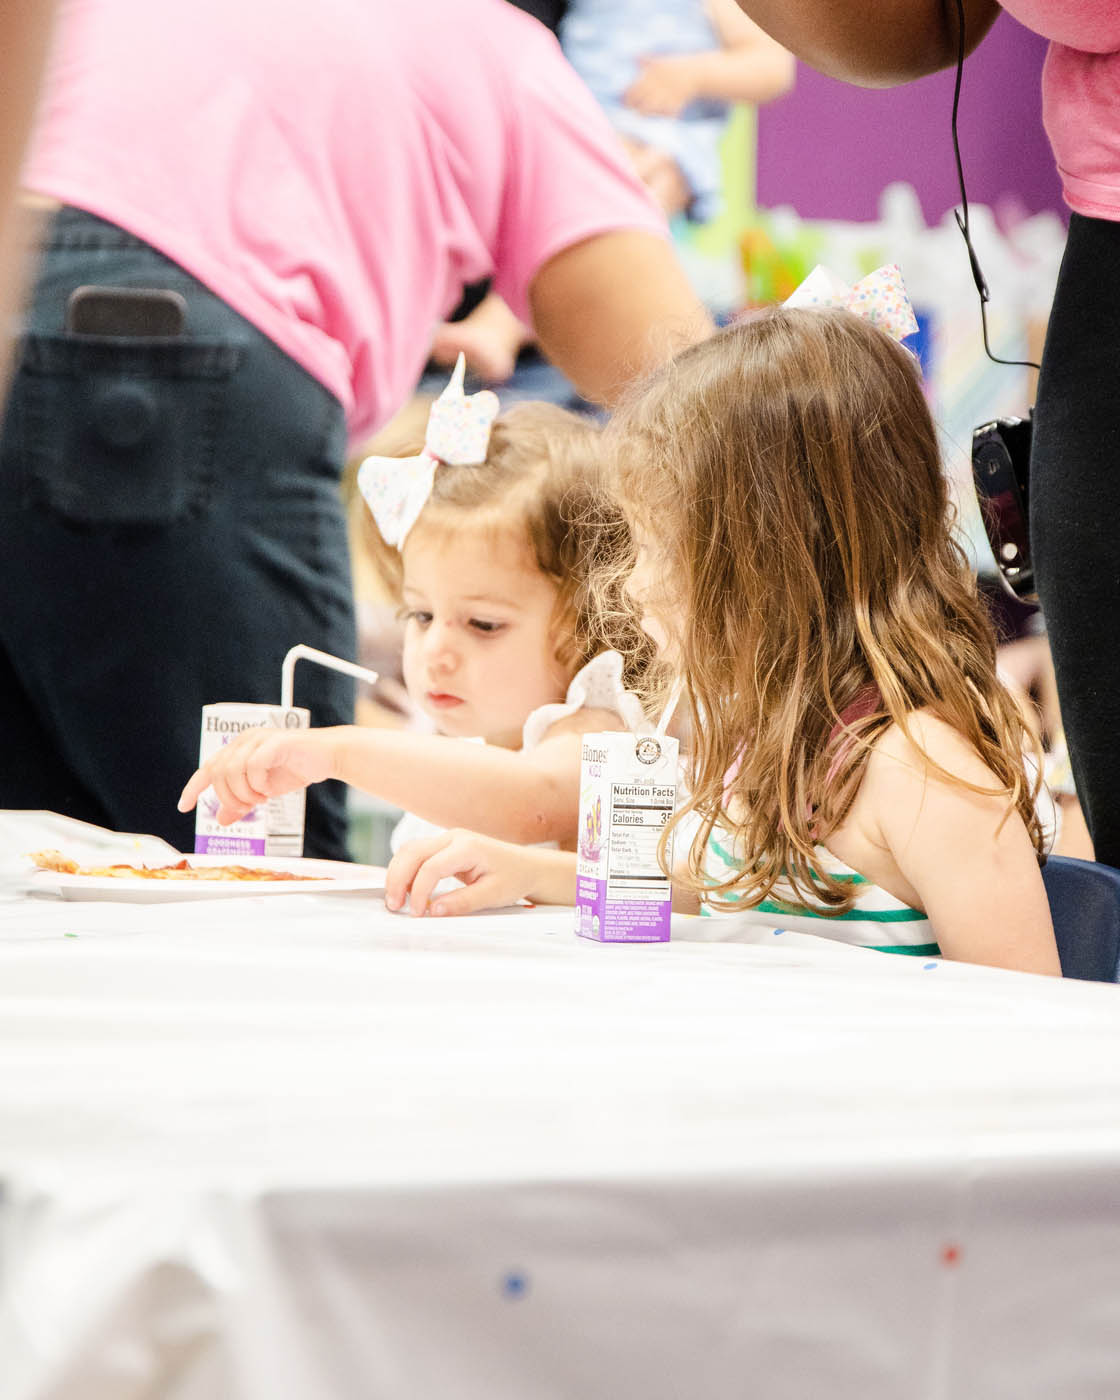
x=1075, y=515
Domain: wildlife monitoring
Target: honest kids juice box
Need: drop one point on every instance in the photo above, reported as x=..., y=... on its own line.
x=275, y=828
x=628, y=788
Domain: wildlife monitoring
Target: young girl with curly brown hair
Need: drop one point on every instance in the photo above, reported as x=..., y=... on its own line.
x=486, y=538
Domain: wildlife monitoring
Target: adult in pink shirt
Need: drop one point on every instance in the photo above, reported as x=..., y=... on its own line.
x=1075, y=458
x=318, y=182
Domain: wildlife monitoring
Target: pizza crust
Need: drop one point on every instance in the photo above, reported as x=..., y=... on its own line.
x=181, y=870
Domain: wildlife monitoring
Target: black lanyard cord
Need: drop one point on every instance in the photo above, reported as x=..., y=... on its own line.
x=961, y=214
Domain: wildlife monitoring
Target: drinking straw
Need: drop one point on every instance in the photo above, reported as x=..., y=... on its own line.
x=321, y=658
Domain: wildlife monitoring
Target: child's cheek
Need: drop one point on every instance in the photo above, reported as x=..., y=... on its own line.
x=410, y=660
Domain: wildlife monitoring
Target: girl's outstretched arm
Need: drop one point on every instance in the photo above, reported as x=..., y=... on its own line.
x=523, y=797
x=494, y=874
x=969, y=860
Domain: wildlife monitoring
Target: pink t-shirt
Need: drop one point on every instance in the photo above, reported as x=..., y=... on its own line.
x=1081, y=96
x=335, y=170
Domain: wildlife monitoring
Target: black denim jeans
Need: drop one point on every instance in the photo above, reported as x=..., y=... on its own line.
x=170, y=524
x=1075, y=515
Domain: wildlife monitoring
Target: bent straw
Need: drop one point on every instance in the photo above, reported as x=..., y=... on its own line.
x=321, y=658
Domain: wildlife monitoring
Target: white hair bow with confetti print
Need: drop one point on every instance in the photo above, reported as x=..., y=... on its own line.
x=397, y=489
x=880, y=298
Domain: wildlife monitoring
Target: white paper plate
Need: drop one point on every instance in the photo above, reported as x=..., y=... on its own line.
x=340, y=878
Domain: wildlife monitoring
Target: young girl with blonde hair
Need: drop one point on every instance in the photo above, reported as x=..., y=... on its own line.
x=856, y=767
x=486, y=537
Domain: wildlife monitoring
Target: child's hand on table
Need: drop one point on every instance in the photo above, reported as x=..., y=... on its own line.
x=263, y=763
x=495, y=874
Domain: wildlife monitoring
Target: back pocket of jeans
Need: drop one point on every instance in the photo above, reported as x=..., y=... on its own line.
x=115, y=430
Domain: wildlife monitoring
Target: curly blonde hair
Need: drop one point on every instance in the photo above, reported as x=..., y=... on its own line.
x=544, y=482
x=786, y=476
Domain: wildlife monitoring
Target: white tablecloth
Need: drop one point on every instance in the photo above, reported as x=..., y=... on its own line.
x=299, y=1147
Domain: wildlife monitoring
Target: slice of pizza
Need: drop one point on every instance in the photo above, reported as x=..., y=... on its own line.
x=180, y=870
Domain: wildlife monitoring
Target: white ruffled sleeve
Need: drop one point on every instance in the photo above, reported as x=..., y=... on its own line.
x=598, y=686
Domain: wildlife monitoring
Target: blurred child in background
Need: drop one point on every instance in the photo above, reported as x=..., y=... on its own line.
x=666, y=73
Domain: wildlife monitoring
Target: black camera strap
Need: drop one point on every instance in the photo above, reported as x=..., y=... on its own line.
x=961, y=214
x=1000, y=449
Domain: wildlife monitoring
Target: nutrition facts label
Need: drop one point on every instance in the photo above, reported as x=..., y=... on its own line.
x=638, y=814
x=628, y=789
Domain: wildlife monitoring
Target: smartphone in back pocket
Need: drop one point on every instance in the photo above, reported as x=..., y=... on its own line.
x=126, y=311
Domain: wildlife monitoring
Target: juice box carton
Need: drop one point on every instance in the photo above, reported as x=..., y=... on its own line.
x=628, y=792
x=275, y=828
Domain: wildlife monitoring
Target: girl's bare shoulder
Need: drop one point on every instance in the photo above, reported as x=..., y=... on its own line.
x=927, y=745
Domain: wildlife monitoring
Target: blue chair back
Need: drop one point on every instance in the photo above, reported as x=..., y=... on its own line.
x=1085, y=907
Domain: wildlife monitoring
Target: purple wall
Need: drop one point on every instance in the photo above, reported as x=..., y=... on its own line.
x=829, y=149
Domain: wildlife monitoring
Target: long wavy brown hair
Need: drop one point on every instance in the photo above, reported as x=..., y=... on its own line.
x=544, y=482
x=786, y=477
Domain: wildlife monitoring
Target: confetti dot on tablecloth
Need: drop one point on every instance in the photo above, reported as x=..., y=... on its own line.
x=928, y=967
x=515, y=1285
x=778, y=931
x=950, y=1255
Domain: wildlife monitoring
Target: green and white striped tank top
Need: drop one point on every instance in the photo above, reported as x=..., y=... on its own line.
x=876, y=920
